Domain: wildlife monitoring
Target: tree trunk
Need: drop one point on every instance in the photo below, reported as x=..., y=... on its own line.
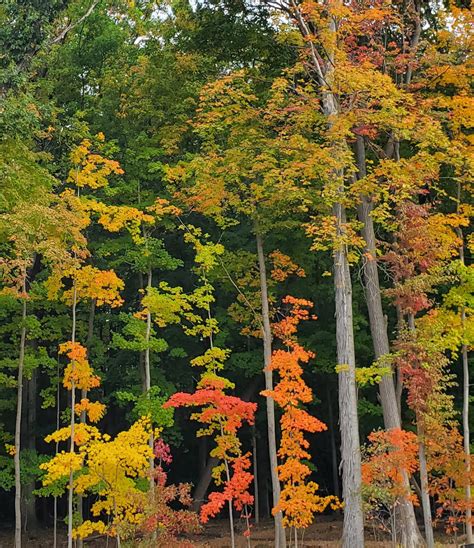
x=465, y=405
x=31, y=521
x=280, y=540
x=410, y=535
x=466, y=434
x=353, y=526
x=19, y=404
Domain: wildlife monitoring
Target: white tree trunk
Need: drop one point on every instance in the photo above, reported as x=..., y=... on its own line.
x=353, y=526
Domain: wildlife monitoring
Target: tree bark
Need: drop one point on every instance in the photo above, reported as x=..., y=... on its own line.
x=410, y=535
x=353, y=526
x=280, y=539
x=19, y=405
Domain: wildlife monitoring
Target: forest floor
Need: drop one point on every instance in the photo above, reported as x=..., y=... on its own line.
x=324, y=533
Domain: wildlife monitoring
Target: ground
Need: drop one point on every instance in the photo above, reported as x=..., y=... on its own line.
x=324, y=533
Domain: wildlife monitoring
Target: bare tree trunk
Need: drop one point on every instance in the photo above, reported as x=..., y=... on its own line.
x=353, y=527
x=19, y=404
x=280, y=540
x=410, y=535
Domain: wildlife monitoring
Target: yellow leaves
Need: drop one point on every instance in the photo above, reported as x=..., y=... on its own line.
x=78, y=372
x=88, y=527
x=102, y=285
x=61, y=465
x=166, y=304
x=116, y=218
x=212, y=360
x=83, y=433
x=95, y=410
x=88, y=282
x=326, y=234
x=91, y=170
x=11, y=450
x=108, y=467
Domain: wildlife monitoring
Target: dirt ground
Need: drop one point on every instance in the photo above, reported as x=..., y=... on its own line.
x=324, y=533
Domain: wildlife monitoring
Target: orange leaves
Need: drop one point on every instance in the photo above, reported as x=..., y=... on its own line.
x=235, y=490
x=299, y=499
x=78, y=372
x=390, y=452
x=95, y=410
x=283, y=267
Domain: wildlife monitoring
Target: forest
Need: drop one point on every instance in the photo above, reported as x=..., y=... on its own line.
x=236, y=281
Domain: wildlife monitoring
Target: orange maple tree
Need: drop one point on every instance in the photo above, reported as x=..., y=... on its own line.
x=299, y=500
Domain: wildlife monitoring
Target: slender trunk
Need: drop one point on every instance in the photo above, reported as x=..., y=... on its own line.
x=465, y=405
x=255, y=476
x=410, y=535
x=31, y=521
x=280, y=540
x=353, y=526
x=21, y=363
x=466, y=434
x=73, y=423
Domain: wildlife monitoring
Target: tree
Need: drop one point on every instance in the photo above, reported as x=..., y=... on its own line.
x=299, y=500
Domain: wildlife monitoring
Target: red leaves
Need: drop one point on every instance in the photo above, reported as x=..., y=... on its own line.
x=224, y=415
x=218, y=406
x=390, y=452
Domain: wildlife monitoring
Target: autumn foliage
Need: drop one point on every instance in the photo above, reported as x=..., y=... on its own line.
x=299, y=500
